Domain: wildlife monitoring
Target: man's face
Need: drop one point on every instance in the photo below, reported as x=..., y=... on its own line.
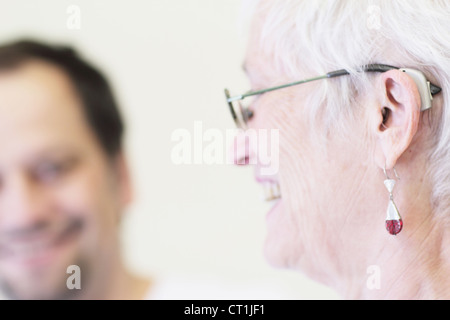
x=60, y=197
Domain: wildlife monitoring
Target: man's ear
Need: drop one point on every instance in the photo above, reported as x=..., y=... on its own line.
x=123, y=176
x=397, y=115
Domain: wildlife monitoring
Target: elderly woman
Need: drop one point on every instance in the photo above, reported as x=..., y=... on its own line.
x=359, y=91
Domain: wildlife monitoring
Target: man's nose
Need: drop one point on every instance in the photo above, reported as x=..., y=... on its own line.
x=21, y=203
x=242, y=150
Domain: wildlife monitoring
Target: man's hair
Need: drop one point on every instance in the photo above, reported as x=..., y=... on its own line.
x=98, y=103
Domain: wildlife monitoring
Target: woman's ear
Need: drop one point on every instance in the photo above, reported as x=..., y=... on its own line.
x=396, y=116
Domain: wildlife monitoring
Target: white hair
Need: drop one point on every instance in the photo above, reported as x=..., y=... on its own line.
x=319, y=36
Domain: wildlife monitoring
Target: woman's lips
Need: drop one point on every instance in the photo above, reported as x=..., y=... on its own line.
x=271, y=188
x=271, y=191
x=271, y=194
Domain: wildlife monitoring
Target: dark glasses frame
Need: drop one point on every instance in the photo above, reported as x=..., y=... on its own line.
x=242, y=115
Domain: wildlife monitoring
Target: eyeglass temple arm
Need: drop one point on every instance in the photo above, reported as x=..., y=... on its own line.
x=368, y=68
x=434, y=89
x=254, y=93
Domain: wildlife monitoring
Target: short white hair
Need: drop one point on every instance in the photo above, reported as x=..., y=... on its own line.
x=348, y=34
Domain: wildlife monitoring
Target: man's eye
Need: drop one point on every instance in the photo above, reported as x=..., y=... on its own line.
x=51, y=171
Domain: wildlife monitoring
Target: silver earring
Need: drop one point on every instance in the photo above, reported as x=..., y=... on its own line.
x=394, y=221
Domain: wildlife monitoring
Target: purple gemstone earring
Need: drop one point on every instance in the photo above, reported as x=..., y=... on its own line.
x=394, y=223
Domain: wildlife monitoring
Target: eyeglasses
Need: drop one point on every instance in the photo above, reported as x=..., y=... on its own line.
x=241, y=115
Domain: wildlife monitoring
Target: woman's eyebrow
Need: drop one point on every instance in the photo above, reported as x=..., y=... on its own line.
x=252, y=73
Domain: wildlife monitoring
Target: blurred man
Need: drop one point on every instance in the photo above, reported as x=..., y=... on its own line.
x=64, y=182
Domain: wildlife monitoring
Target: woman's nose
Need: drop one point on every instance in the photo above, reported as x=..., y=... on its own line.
x=242, y=150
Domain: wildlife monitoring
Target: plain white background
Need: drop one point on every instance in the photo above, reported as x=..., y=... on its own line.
x=202, y=226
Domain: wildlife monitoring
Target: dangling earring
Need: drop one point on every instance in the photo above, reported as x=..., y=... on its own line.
x=394, y=222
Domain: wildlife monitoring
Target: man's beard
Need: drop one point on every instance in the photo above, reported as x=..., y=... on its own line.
x=43, y=292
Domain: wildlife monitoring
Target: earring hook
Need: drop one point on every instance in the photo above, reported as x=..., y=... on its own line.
x=395, y=172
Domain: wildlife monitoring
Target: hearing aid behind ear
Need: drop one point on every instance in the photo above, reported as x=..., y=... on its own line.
x=423, y=85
